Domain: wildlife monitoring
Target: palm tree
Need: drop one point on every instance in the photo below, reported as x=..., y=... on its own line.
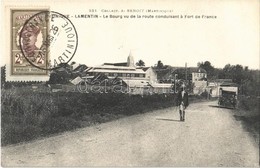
x=140, y=63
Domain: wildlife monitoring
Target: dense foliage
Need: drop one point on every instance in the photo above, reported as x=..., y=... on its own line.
x=27, y=115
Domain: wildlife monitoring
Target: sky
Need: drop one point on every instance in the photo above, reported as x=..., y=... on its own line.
x=232, y=37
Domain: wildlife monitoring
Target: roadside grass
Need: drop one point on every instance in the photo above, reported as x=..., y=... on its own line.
x=27, y=115
x=248, y=112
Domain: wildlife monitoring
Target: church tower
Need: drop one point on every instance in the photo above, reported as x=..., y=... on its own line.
x=130, y=60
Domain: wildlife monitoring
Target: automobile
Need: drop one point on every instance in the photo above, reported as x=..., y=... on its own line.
x=228, y=96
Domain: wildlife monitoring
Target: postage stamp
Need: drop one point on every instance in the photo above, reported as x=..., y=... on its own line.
x=40, y=40
x=31, y=40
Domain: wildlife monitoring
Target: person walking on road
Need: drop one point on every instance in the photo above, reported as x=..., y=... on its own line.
x=182, y=102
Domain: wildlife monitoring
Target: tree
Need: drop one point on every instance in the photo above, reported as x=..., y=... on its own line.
x=209, y=68
x=140, y=63
x=248, y=80
x=160, y=64
x=237, y=73
x=59, y=78
x=199, y=63
x=62, y=75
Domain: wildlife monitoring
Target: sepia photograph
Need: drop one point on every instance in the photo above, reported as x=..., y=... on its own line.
x=130, y=83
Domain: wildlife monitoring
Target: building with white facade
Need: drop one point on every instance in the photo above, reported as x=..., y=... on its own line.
x=197, y=74
x=139, y=79
x=197, y=77
x=126, y=71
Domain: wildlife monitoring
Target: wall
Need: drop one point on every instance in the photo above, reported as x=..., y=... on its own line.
x=199, y=87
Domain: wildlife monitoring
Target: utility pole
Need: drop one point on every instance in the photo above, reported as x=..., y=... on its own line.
x=186, y=72
x=175, y=75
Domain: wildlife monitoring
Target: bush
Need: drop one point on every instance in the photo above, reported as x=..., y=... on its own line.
x=248, y=113
x=28, y=115
x=249, y=103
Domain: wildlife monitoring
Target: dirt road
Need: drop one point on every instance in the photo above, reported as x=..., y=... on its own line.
x=209, y=137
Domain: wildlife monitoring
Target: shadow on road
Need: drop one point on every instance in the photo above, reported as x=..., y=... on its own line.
x=220, y=107
x=167, y=119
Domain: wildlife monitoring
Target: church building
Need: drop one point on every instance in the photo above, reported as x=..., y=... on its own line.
x=124, y=70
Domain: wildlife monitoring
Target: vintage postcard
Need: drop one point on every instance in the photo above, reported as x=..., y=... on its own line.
x=142, y=83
